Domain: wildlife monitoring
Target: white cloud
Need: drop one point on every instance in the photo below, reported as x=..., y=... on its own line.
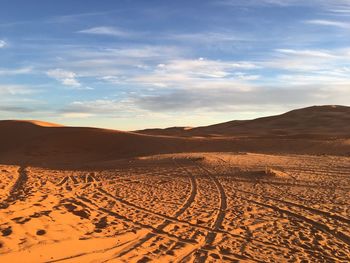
x=209, y=37
x=308, y=53
x=324, y=4
x=197, y=74
x=67, y=78
x=15, y=90
x=228, y=100
x=245, y=76
x=324, y=78
x=110, y=107
x=104, y=30
x=19, y=71
x=307, y=60
x=112, y=79
x=99, y=62
x=76, y=115
x=331, y=23
x=2, y=43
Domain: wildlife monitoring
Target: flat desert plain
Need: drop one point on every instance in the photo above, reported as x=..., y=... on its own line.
x=187, y=203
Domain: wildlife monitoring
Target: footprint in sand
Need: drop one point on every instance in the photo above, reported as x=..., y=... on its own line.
x=41, y=232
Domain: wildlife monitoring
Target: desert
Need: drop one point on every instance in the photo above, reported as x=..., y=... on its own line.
x=211, y=194
x=201, y=131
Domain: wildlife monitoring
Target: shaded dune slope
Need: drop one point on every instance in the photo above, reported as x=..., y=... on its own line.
x=316, y=122
x=31, y=143
x=321, y=131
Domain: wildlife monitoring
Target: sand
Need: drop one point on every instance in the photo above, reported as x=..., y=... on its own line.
x=180, y=208
x=92, y=195
x=312, y=122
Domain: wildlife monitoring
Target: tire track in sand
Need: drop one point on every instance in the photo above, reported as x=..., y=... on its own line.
x=166, y=222
x=17, y=191
x=201, y=253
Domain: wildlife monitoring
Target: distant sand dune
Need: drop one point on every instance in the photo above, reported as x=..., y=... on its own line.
x=275, y=189
x=311, y=122
x=315, y=130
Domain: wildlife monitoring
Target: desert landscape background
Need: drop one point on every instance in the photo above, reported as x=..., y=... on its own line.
x=175, y=131
x=272, y=189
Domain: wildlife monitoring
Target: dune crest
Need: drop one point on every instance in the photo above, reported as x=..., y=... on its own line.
x=313, y=130
x=35, y=122
x=232, y=192
x=315, y=121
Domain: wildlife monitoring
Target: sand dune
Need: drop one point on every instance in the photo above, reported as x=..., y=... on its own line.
x=36, y=122
x=311, y=122
x=315, y=130
x=30, y=142
x=232, y=192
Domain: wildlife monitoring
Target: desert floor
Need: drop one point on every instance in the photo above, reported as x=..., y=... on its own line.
x=208, y=207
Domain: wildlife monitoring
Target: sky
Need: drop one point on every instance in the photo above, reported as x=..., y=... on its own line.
x=139, y=64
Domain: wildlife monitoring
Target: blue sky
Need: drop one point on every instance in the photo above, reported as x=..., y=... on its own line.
x=138, y=64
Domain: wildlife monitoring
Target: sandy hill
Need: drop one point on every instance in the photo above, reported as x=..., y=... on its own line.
x=41, y=143
x=316, y=121
x=314, y=130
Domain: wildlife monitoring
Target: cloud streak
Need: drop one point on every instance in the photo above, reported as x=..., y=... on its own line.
x=67, y=78
x=18, y=71
x=105, y=31
x=329, y=23
x=228, y=100
x=15, y=90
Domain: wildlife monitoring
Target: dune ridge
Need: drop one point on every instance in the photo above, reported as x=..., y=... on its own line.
x=315, y=121
x=227, y=193
x=41, y=143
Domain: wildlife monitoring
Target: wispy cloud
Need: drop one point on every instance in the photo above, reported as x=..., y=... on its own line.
x=209, y=37
x=18, y=71
x=308, y=53
x=127, y=61
x=14, y=90
x=107, y=31
x=307, y=60
x=228, y=100
x=2, y=43
x=260, y=2
x=330, y=23
x=16, y=109
x=110, y=107
x=331, y=7
x=325, y=4
x=196, y=74
x=67, y=78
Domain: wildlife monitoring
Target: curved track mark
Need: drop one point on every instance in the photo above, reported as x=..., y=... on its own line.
x=18, y=191
x=165, y=223
x=209, y=239
x=324, y=228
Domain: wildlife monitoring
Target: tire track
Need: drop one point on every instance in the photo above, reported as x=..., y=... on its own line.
x=310, y=209
x=166, y=217
x=202, y=253
x=18, y=191
x=320, y=226
x=156, y=231
x=166, y=222
x=63, y=181
x=313, y=210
